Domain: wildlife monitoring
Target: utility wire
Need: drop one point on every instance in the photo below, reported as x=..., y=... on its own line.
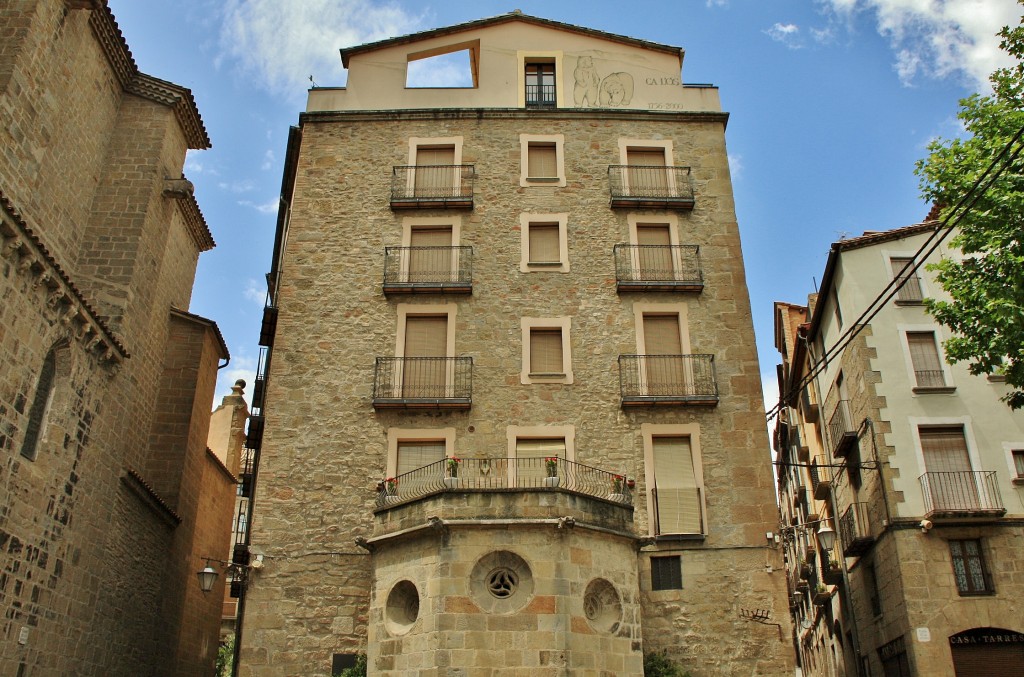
x=941, y=232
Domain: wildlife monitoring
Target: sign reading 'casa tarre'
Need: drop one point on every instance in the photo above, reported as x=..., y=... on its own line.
x=987, y=636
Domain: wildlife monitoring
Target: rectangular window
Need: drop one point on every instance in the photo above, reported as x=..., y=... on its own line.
x=430, y=254
x=544, y=243
x=667, y=573
x=836, y=309
x=950, y=481
x=435, y=171
x=1018, y=462
x=654, y=253
x=924, y=356
x=969, y=568
x=664, y=370
x=410, y=449
x=414, y=455
x=910, y=291
x=647, y=175
x=540, y=85
x=676, y=493
x=546, y=352
x=542, y=160
x=871, y=585
x=531, y=466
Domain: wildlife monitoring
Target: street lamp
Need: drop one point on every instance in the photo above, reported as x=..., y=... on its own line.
x=207, y=577
x=826, y=536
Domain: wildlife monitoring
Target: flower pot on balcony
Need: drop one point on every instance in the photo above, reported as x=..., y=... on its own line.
x=551, y=481
x=451, y=482
x=821, y=597
x=832, y=575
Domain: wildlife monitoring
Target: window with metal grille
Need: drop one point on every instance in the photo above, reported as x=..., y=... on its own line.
x=667, y=573
x=969, y=567
x=924, y=355
x=540, y=85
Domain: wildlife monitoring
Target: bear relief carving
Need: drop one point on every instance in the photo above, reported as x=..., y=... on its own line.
x=614, y=91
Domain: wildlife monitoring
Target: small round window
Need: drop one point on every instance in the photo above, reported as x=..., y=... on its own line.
x=402, y=608
x=602, y=606
x=501, y=582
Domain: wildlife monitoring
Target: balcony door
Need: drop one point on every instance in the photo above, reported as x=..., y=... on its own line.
x=663, y=369
x=430, y=255
x=950, y=478
x=654, y=255
x=424, y=370
x=435, y=171
x=530, y=466
x=676, y=493
x=647, y=175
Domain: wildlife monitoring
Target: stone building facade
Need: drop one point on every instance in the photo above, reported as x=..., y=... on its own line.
x=513, y=417
x=915, y=463
x=106, y=381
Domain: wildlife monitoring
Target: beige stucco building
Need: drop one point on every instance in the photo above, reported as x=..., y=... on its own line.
x=109, y=495
x=915, y=463
x=513, y=419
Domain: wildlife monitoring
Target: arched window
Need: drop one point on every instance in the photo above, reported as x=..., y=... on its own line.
x=43, y=399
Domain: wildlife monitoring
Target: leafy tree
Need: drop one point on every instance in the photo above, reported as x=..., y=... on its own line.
x=226, y=658
x=986, y=314
x=357, y=670
x=659, y=665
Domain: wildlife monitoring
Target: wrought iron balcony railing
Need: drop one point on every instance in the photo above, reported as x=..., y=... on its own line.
x=428, y=382
x=680, y=514
x=961, y=494
x=428, y=269
x=650, y=186
x=438, y=186
x=504, y=474
x=667, y=379
x=855, y=530
x=930, y=378
x=658, y=267
x=841, y=432
x=541, y=96
x=821, y=478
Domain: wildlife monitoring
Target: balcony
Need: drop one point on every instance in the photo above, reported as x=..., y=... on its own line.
x=658, y=268
x=801, y=450
x=428, y=270
x=656, y=187
x=423, y=383
x=433, y=187
x=541, y=96
x=821, y=478
x=855, y=530
x=963, y=494
x=504, y=475
x=668, y=379
x=841, y=431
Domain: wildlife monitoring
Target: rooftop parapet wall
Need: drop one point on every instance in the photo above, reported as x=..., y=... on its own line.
x=591, y=72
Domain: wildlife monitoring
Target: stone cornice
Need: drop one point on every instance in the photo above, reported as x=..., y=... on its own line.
x=114, y=46
x=195, y=222
x=512, y=114
x=141, y=488
x=31, y=258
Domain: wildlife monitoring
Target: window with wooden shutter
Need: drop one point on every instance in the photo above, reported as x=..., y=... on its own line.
x=647, y=174
x=654, y=253
x=951, y=482
x=530, y=454
x=663, y=360
x=924, y=356
x=414, y=455
x=426, y=346
x=546, y=355
x=542, y=161
x=544, y=244
x=676, y=493
x=910, y=292
x=430, y=255
x=435, y=171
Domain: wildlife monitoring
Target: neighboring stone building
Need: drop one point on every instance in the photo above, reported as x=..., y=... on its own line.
x=914, y=462
x=106, y=383
x=226, y=440
x=514, y=362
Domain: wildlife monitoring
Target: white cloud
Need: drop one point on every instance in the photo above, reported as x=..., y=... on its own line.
x=239, y=186
x=283, y=43
x=938, y=38
x=446, y=70
x=735, y=166
x=194, y=166
x=269, y=207
x=717, y=3
x=268, y=160
x=787, y=34
x=255, y=292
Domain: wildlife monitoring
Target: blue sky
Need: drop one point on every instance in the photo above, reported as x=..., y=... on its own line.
x=831, y=103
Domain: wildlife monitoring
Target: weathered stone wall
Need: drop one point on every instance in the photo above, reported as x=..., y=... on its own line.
x=323, y=457
x=97, y=568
